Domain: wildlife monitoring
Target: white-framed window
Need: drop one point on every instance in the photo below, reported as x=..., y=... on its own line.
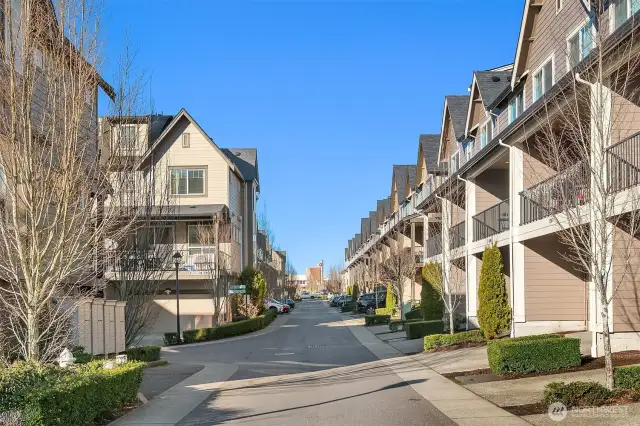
x=128, y=136
x=187, y=181
x=155, y=235
x=455, y=162
x=484, y=135
x=186, y=140
x=559, y=4
x=516, y=106
x=193, y=239
x=623, y=10
x=579, y=44
x=543, y=79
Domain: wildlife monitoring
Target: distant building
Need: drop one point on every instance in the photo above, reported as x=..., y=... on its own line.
x=299, y=281
x=314, y=278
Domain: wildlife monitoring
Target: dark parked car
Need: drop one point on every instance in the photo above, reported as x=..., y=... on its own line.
x=335, y=302
x=289, y=302
x=367, y=303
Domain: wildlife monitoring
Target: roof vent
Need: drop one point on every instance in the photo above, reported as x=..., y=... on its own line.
x=495, y=79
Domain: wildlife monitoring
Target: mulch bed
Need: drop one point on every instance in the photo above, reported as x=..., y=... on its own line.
x=623, y=397
x=454, y=347
x=588, y=363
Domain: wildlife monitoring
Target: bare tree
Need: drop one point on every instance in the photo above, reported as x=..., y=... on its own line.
x=334, y=284
x=54, y=223
x=290, y=272
x=265, y=225
x=585, y=141
x=398, y=268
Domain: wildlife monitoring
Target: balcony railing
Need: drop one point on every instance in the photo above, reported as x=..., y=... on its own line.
x=457, y=235
x=419, y=254
x=434, y=245
x=492, y=221
x=623, y=163
x=197, y=260
x=558, y=193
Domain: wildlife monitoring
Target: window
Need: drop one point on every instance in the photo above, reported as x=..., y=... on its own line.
x=186, y=140
x=468, y=150
x=558, y=5
x=580, y=44
x=128, y=137
x=155, y=235
x=484, y=135
x=455, y=162
x=187, y=181
x=516, y=107
x=193, y=238
x=622, y=10
x=543, y=79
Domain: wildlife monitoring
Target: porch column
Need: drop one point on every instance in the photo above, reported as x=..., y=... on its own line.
x=472, y=283
x=516, y=250
x=413, y=256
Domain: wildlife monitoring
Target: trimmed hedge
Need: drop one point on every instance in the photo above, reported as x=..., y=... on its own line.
x=436, y=341
x=229, y=329
x=349, y=307
x=533, y=354
x=577, y=394
x=171, y=339
x=431, y=304
x=49, y=395
x=376, y=319
x=415, y=314
x=627, y=377
x=387, y=311
x=417, y=329
x=144, y=353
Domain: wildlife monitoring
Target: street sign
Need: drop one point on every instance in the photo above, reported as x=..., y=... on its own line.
x=234, y=291
x=237, y=287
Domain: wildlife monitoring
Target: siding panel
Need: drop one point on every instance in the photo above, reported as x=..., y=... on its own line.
x=626, y=273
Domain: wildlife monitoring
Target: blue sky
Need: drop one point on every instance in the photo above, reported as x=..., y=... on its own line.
x=332, y=93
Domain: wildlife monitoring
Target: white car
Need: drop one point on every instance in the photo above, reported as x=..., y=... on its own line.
x=305, y=296
x=272, y=304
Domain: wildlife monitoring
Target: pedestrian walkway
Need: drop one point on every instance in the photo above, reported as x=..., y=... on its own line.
x=459, y=404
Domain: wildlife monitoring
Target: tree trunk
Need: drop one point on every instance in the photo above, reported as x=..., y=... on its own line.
x=606, y=340
x=33, y=348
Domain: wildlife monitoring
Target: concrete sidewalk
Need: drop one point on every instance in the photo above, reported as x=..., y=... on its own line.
x=459, y=404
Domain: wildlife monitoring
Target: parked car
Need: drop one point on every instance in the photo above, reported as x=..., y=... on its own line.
x=285, y=308
x=305, y=295
x=334, y=302
x=345, y=299
x=273, y=305
x=288, y=302
x=367, y=303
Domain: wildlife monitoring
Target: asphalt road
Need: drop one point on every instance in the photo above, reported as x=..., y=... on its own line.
x=311, y=371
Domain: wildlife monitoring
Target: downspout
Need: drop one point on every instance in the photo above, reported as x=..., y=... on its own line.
x=511, y=218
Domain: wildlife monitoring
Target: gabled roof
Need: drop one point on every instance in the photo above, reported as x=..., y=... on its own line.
x=184, y=114
x=373, y=220
x=365, y=226
x=411, y=178
x=458, y=106
x=246, y=159
x=157, y=124
x=491, y=84
x=524, y=39
x=429, y=145
x=383, y=206
x=400, y=173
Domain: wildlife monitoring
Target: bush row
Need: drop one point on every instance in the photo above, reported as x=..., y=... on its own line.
x=414, y=314
x=436, y=341
x=376, y=319
x=417, y=329
x=50, y=395
x=222, y=331
x=387, y=311
x=530, y=354
x=144, y=353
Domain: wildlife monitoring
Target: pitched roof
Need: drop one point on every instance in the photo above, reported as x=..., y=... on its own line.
x=246, y=160
x=373, y=219
x=458, y=106
x=412, y=177
x=429, y=144
x=400, y=173
x=384, y=206
x=157, y=124
x=491, y=84
x=365, y=227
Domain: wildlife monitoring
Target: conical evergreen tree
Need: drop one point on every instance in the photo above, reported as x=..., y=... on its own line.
x=494, y=313
x=431, y=304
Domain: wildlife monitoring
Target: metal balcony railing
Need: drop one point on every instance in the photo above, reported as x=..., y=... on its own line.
x=623, y=163
x=492, y=221
x=434, y=245
x=457, y=235
x=197, y=260
x=558, y=193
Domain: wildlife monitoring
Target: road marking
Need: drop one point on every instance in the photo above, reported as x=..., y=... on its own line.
x=284, y=353
x=289, y=325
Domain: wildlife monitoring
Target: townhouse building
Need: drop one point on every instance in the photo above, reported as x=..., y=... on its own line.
x=271, y=262
x=195, y=187
x=518, y=175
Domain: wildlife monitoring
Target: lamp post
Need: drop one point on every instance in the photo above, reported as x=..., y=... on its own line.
x=177, y=257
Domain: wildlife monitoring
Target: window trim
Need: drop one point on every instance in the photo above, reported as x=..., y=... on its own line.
x=550, y=58
x=559, y=8
x=455, y=154
x=120, y=134
x=571, y=35
x=514, y=99
x=186, y=140
x=204, y=186
x=485, y=126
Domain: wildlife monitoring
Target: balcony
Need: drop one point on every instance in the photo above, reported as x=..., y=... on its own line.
x=434, y=245
x=419, y=254
x=457, y=235
x=492, y=221
x=558, y=193
x=623, y=163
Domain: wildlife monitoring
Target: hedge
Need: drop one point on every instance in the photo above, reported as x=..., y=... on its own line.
x=376, y=319
x=413, y=315
x=436, y=341
x=431, y=304
x=387, y=311
x=228, y=330
x=349, y=307
x=577, y=394
x=144, y=353
x=171, y=338
x=533, y=354
x=627, y=377
x=50, y=395
x=417, y=329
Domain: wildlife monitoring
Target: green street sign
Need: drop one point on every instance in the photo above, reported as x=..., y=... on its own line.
x=238, y=291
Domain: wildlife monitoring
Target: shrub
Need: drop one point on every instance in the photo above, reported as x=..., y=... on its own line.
x=577, y=394
x=436, y=341
x=431, y=304
x=192, y=336
x=170, y=339
x=417, y=329
x=49, y=395
x=414, y=315
x=229, y=329
x=627, y=377
x=376, y=319
x=390, y=300
x=81, y=357
x=384, y=311
x=494, y=313
x=144, y=353
x=533, y=354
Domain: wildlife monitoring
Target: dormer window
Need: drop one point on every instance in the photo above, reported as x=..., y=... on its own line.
x=516, y=107
x=484, y=135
